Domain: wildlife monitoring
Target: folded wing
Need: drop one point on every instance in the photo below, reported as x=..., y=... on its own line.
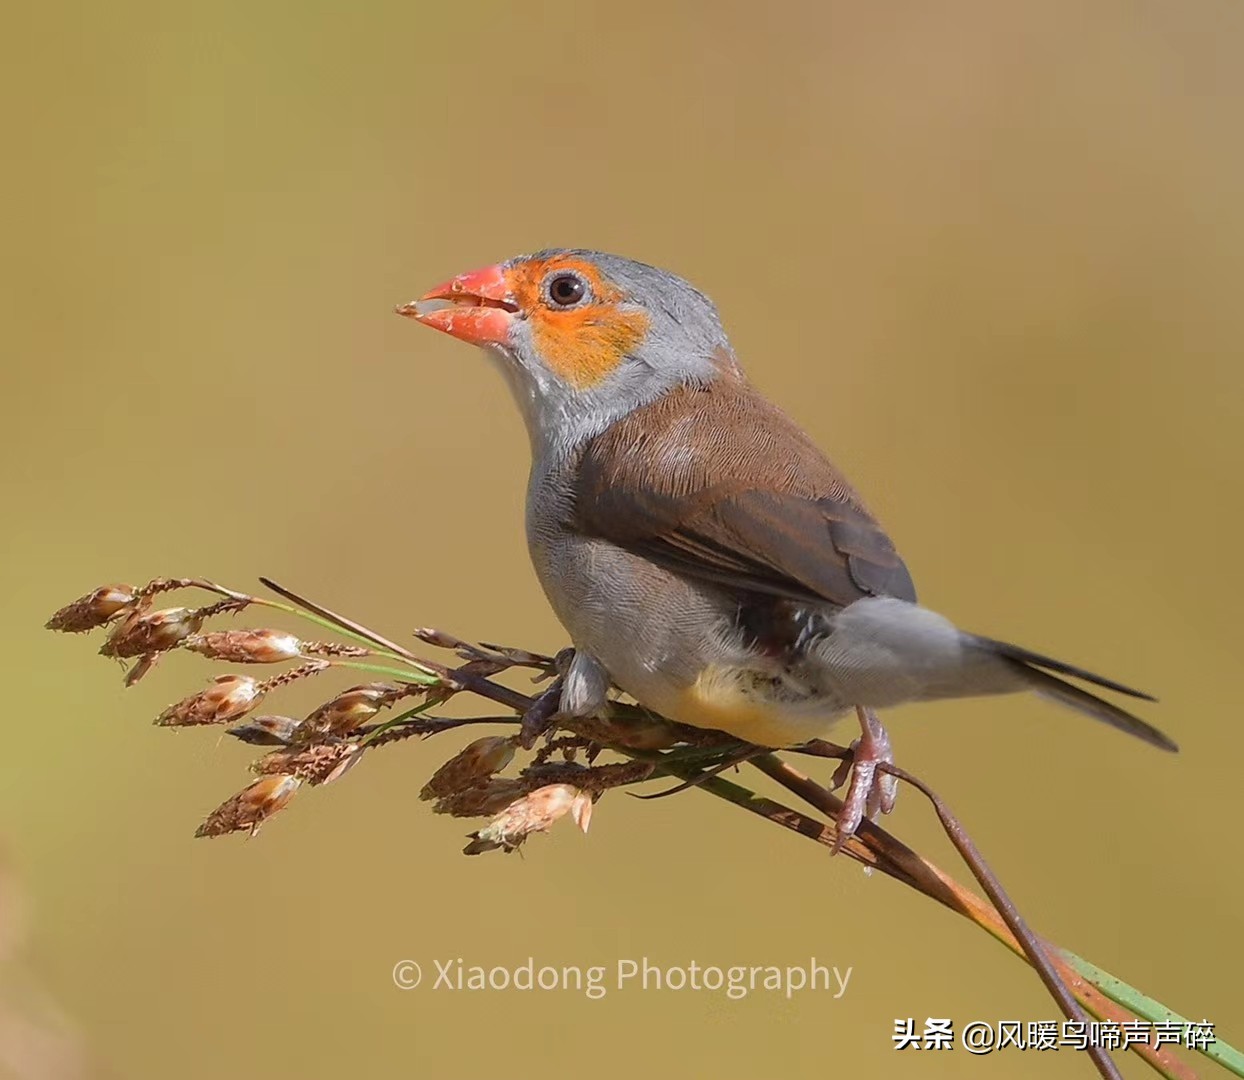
x=715, y=483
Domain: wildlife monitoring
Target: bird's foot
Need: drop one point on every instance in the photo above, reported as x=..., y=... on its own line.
x=539, y=717
x=872, y=792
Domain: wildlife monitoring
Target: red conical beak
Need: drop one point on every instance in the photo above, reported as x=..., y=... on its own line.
x=480, y=310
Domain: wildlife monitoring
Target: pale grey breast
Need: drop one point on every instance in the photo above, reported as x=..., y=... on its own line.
x=653, y=629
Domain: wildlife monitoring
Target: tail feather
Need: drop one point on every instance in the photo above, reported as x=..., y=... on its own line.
x=1065, y=693
x=1026, y=658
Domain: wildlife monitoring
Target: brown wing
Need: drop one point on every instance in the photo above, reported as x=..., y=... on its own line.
x=714, y=482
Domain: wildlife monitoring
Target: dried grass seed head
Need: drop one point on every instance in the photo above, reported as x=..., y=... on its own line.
x=152, y=631
x=259, y=646
x=265, y=730
x=473, y=764
x=319, y=764
x=251, y=807
x=349, y=709
x=229, y=697
x=533, y=813
x=96, y=608
x=483, y=799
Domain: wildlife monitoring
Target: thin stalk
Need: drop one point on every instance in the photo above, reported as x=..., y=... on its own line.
x=347, y=626
x=327, y=624
x=405, y=717
x=1146, y=1008
x=405, y=675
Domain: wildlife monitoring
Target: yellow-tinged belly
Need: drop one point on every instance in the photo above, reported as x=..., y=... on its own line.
x=733, y=701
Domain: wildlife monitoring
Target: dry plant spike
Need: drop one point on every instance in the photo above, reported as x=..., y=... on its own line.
x=350, y=709
x=96, y=608
x=569, y=745
x=483, y=799
x=473, y=764
x=320, y=764
x=332, y=648
x=533, y=813
x=245, y=646
x=145, y=631
x=108, y=602
x=162, y=585
x=152, y=631
x=284, y=678
x=263, y=646
x=595, y=779
x=250, y=807
x=229, y=697
x=265, y=730
x=421, y=726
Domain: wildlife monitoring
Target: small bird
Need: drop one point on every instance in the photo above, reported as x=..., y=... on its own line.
x=703, y=554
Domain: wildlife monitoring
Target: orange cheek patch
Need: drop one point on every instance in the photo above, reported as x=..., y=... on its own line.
x=526, y=278
x=582, y=346
x=579, y=345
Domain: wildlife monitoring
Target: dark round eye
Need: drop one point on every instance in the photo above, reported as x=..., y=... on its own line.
x=566, y=290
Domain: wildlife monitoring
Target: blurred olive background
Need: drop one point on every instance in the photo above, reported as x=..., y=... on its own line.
x=990, y=255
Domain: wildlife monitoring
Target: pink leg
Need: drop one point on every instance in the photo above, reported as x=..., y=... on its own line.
x=871, y=793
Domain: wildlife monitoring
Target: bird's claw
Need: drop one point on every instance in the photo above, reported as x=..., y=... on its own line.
x=872, y=792
x=539, y=717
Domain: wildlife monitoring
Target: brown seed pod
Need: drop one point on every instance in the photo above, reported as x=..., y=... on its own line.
x=319, y=764
x=473, y=764
x=349, y=709
x=152, y=631
x=250, y=807
x=228, y=698
x=535, y=812
x=265, y=730
x=482, y=799
x=94, y=609
x=245, y=646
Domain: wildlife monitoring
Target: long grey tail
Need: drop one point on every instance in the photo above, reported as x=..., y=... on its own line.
x=1036, y=671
